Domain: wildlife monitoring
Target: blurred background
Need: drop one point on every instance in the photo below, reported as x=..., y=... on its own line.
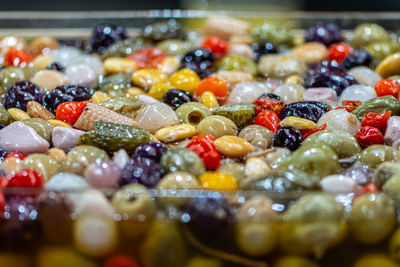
x=314, y=5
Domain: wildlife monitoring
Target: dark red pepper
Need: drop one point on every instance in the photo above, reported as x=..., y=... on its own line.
x=377, y=120
x=307, y=133
x=350, y=106
x=369, y=135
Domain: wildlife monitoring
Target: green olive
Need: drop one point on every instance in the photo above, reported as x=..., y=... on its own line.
x=125, y=47
x=374, y=155
x=173, y=47
x=384, y=172
x=235, y=62
x=241, y=114
x=382, y=49
x=192, y=112
x=235, y=169
x=9, y=76
x=372, y=218
x=134, y=200
x=182, y=159
x=82, y=156
x=314, y=159
x=62, y=256
x=394, y=245
x=176, y=181
x=5, y=117
x=256, y=239
x=163, y=246
x=272, y=32
x=312, y=223
x=41, y=127
x=43, y=164
x=115, y=84
x=126, y=106
x=343, y=143
x=295, y=261
x=257, y=135
x=392, y=185
x=217, y=126
x=368, y=33
x=203, y=261
x=375, y=260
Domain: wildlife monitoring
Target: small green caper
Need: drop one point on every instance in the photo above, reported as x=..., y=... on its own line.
x=372, y=218
x=192, y=112
x=374, y=155
x=368, y=33
x=315, y=159
x=217, y=126
x=82, y=156
x=41, y=127
x=343, y=143
x=43, y=164
x=182, y=159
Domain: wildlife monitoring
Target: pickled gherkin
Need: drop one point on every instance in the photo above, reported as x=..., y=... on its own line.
x=378, y=105
x=5, y=118
x=123, y=105
x=241, y=114
x=112, y=136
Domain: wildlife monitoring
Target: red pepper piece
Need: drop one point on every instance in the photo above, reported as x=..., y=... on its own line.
x=121, y=261
x=218, y=46
x=350, y=106
x=265, y=104
x=307, y=133
x=69, y=112
x=216, y=86
x=377, y=120
x=212, y=159
x=367, y=189
x=17, y=155
x=201, y=147
x=368, y=135
x=16, y=57
x=387, y=87
x=268, y=119
x=207, y=137
x=149, y=57
x=25, y=178
x=339, y=51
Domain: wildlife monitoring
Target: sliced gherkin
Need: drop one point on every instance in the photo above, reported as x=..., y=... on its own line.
x=124, y=105
x=113, y=136
x=241, y=114
x=378, y=105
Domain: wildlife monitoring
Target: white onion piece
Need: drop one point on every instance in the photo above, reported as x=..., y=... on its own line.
x=340, y=119
x=357, y=93
x=247, y=92
x=365, y=75
x=290, y=92
x=155, y=116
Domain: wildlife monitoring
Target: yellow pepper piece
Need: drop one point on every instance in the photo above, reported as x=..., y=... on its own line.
x=118, y=64
x=209, y=100
x=135, y=91
x=99, y=97
x=185, y=79
x=146, y=78
x=176, y=133
x=389, y=66
x=157, y=91
x=218, y=181
x=59, y=123
x=18, y=114
x=299, y=123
